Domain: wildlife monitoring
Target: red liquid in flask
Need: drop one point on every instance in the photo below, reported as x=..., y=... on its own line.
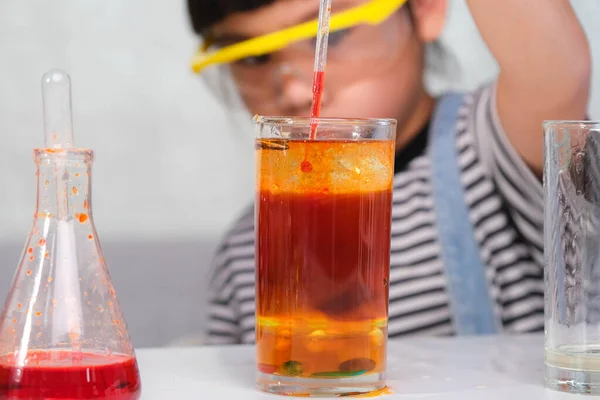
x=64, y=375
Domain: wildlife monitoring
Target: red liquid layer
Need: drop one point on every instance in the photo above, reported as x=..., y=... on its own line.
x=323, y=253
x=66, y=375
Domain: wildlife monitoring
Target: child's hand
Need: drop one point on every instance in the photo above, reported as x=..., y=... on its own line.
x=545, y=67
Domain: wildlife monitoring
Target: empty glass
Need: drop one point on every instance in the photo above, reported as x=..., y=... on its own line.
x=572, y=255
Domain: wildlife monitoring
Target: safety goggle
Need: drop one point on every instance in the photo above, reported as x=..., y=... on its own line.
x=373, y=13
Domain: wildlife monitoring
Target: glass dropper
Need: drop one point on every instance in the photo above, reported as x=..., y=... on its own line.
x=58, y=119
x=58, y=135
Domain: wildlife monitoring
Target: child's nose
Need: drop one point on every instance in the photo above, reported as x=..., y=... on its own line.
x=294, y=90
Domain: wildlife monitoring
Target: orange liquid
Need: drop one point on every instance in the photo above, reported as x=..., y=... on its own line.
x=323, y=248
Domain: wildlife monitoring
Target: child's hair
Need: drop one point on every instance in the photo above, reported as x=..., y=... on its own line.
x=205, y=13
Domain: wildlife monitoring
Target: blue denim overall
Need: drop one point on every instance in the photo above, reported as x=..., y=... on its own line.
x=473, y=312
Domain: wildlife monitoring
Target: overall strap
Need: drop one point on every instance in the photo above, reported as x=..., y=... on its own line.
x=473, y=312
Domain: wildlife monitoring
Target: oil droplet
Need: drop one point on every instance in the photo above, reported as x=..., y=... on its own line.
x=39, y=313
x=306, y=166
x=82, y=218
x=31, y=258
x=377, y=337
x=85, y=293
x=38, y=323
x=47, y=182
x=53, y=302
x=30, y=250
x=19, y=305
x=47, y=256
x=85, y=204
x=38, y=335
x=75, y=190
x=76, y=175
x=50, y=279
x=42, y=242
x=100, y=309
x=14, y=321
x=13, y=331
x=108, y=303
x=28, y=272
x=317, y=341
x=90, y=236
x=118, y=322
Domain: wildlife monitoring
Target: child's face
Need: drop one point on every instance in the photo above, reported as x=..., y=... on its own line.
x=372, y=71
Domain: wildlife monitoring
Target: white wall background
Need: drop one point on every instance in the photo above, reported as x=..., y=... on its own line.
x=171, y=170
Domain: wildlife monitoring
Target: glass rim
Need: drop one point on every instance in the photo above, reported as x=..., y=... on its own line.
x=325, y=121
x=45, y=154
x=570, y=123
x=53, y=152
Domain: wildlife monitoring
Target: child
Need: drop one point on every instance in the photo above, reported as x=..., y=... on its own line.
x=491, y=140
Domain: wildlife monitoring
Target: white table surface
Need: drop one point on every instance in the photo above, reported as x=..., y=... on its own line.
x=490, y=368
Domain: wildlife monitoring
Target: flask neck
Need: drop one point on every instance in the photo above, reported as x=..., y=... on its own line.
x=64, y=184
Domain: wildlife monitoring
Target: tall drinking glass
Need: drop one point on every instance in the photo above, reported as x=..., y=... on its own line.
x=323, y=216
x=572, y=255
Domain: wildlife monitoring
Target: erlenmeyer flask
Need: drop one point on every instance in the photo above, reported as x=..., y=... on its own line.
x=62, y=333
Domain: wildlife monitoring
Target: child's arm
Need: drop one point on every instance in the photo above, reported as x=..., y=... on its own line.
x=545, y=67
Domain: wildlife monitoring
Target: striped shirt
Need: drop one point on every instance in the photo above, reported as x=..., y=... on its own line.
x=505, y=202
